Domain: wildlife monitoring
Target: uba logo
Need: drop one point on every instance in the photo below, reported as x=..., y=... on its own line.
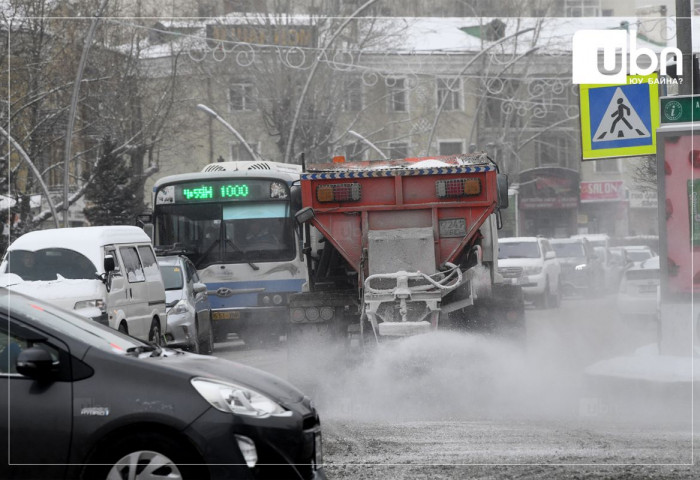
x=589, y=44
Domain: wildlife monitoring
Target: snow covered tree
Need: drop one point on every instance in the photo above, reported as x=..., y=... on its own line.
x=114, y=194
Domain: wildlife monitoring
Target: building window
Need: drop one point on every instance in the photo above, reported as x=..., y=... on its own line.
x=501, y=105
x=240, y=153
x=398, y=150
x=611, y=165
x=450, y=147
x=582, y=8
x=552, y=150
x=352, y=94
x=449, y=90
x=242, y=97
x=398, y=99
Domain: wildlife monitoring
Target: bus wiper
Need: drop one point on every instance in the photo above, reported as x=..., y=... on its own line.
x=238, y=249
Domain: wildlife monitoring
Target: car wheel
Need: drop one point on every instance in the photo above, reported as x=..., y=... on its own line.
x=556, y=303
x=123, y=328
x=207, y=348
x=154, y=335
x=195, y=347
x=146, y=456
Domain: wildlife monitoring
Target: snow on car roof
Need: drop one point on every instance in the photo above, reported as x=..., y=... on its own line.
x=78, y=237
x=517, y=239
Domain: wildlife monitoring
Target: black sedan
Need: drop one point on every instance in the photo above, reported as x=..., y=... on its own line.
x=85, y=401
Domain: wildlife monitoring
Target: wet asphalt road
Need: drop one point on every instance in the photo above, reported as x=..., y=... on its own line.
x=467, y=406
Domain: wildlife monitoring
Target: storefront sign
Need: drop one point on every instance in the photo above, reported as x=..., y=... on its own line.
x=611, y=191
x=643, y=199
x=548, y=188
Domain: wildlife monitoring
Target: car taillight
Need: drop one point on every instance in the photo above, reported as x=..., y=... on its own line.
x=458, y=187
x=338, y=192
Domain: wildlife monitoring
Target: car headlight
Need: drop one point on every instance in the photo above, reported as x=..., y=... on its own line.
x=180, y=307
x=98, y=303
x=532, y=270
x=233, y=398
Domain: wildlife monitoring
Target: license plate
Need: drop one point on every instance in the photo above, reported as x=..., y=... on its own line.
x=225, y=315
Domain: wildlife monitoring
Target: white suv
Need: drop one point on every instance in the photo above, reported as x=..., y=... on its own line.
x=539, y=264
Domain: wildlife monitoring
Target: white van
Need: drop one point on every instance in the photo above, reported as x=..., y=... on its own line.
x=109, y=274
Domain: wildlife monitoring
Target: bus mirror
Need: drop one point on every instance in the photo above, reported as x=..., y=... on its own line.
x=502, y=183
x=295, y=194
x=148, y=228
x=304, y=215
x=144, y=218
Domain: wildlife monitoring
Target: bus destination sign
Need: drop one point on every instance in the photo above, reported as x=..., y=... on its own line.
x=222, y=192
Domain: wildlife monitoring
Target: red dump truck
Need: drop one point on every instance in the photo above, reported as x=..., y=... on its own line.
x=400, y=247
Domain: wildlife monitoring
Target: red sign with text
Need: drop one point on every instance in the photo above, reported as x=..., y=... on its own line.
x=603, y=191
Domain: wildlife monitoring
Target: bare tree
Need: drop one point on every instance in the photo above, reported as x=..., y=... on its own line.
x=118, y=99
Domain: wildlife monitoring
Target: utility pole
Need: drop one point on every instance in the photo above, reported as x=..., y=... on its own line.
x=684, y=42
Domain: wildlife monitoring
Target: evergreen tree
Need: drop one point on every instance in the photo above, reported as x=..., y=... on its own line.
x=113, y=196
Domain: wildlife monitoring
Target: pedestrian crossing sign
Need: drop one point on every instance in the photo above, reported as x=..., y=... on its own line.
x=620, y=120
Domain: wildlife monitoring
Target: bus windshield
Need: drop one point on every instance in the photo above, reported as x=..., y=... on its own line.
x=241, y=232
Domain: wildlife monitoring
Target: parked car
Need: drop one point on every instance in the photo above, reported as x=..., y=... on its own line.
x=187, y=304
x=86, y=401
x=616, y=266
x=637, y=297
x=538, y=262
x=106, y=273
x=582, y=271
x=638, y=253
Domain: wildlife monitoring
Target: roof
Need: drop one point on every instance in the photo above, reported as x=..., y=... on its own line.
x=430, y=35
x=187, y=177
x=76, y=238
x=517, y=239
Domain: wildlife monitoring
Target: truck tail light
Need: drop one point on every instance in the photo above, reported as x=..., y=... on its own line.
x=458, y=187
x=338, y=192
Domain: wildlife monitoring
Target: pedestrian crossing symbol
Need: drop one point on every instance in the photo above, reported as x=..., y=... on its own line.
x=620, y=120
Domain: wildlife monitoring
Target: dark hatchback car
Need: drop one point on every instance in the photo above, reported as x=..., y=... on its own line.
x=85, y=401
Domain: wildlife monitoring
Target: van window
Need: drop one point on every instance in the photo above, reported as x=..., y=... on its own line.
x=148, y=259
x=49, y=263
x=132, y=264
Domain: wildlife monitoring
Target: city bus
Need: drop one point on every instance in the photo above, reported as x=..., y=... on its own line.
x=235, y=221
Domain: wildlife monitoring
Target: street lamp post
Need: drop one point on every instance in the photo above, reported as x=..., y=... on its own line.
x=372, y=145
x=514, y=190
x=215, y=115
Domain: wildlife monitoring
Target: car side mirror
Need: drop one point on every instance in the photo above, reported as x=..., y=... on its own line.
x=109, y=264
x=199, y=288
x=36, y=363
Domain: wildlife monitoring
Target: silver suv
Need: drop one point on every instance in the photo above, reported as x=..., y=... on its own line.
x=535, y=258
